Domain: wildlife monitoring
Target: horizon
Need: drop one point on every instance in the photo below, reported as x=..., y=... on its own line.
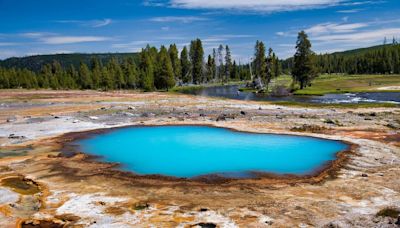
x=127, y=26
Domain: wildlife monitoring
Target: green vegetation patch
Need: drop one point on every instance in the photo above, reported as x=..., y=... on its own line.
x=346, y=84
x=344, y=105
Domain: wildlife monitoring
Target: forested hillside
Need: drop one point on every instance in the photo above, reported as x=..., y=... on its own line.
x=151, y=69
x=36, y=62
x=382, y=59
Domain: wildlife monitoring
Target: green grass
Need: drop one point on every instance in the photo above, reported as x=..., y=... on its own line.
x=182, y=89
x=345, y=105
x=349, y=83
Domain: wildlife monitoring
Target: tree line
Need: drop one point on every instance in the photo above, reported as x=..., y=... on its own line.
x=384, y=59
x=155, y=69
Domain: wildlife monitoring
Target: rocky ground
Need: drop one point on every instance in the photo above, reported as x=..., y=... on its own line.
x=41, y=187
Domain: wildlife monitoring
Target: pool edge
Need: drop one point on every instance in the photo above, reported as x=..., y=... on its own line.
x=324, y=172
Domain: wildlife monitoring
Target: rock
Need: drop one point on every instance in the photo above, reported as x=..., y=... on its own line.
x=259, y=108
x=203, y=209
x=75, y=121
x=103, y=108
x=331, y=225
x=392, y=126
x=205, y=225
x=330, y=121
x=11, y=119
x=398, y=221
x=67, y=217
x=148, y=114
x=93, y=117
x=130, y=114
x=131, y=108
x=202, y=115
x=13, y=136
x=364, y=175
x=221, y=118
x=243, y=113
x=309, y=128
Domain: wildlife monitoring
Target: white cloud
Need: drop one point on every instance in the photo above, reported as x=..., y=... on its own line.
x=188, y=19
x=371, y=36
x=334, y=28
x=134, y=45
x=349, y=11
x=72, y=39
x=49, y=52
x=213, y=40
x=34, y=34
x=234, y=36
x=255, y=5
x=4, y=44
x=101, y=23
x=286, y=34
x=157, y=3
x=88, y=23
x=7, y=54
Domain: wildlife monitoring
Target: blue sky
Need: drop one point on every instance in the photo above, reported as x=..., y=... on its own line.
x=64, y=26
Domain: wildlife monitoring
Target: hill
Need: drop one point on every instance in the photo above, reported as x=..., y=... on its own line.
x=380, y=59
x=35, y=63
x=359, y=51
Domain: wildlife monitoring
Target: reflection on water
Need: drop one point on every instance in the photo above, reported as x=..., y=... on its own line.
x=232, y=92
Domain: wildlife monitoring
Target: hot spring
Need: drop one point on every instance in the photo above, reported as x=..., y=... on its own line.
x=191, y=151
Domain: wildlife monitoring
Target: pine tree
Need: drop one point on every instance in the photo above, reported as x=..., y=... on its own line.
x=106, y=81
x=165, y=72
x=196, y=59
x=56, y=75
x=277, y=65
x=73, y=77
x=96, y=71
x=85, y=78
x=176, y=63
x=116, y=73
x=234, y=73
x=270, y=70
x=228, y=64
x=130, y=72
x=304, y=67
x=44, y=76
x=260, y=65
x=185, y=64
x=4, y=82
x=146, y=71
x=215, y=70
x=220, y=64
x=210, y=69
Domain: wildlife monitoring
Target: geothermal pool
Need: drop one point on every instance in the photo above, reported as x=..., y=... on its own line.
x=191, y=151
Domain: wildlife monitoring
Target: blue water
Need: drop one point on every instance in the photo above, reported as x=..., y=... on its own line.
x=190, y=151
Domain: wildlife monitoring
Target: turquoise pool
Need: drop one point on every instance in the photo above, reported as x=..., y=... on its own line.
x=190, y=151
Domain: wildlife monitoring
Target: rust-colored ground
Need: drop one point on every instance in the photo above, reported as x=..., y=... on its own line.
x=77, y=191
